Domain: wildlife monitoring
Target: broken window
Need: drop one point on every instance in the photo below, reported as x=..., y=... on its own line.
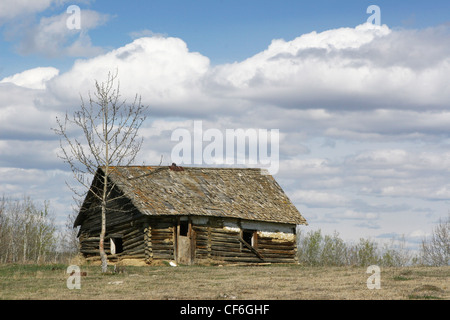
x=116, y=245
x=249, y=239
x=248, y=236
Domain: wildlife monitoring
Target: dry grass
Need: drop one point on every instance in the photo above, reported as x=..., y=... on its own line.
x=287, y=282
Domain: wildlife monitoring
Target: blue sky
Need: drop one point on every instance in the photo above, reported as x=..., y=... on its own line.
x=226, y=31
x=363, y=110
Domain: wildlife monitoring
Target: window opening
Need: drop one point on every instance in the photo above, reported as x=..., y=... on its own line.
x=116, y=245
x=247, y=236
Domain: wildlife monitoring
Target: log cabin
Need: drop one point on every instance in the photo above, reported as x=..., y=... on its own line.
x=190, y=215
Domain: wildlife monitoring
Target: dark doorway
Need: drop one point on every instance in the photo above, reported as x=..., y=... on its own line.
x=184, y=243
x=184, y=228
x=247, y=236
x=116, y=245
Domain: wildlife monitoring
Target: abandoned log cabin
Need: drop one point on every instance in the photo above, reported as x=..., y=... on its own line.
x=191, y=216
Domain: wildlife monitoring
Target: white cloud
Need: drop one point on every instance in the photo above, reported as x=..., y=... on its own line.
x=283, y=62
x=162, y=70
x=360, y=68
x=354, y=215
x=326, y=83
x=52, y=38
x=421, y=174
x=25, y=108
x=33, y=78
x=386, y=115
x=306, y=167
x=312, y=198
x=10, y=9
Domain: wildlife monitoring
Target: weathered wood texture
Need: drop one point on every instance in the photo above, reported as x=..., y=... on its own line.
x=222, y=207
x=160, y=239
x=122, y=222
x=154, y=238
x=218, y=244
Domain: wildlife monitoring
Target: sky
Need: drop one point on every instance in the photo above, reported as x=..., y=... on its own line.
x=362, y=108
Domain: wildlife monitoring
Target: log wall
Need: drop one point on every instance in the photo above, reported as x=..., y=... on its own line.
x=126, y=224
x=213, y=240
x=160, y=239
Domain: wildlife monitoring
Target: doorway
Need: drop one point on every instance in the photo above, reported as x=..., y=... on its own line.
x=184, y=242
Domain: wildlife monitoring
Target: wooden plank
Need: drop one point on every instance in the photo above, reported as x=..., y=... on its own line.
x=160, y=237
x=281, y=250
x=270, y=241
x=158, y=255
x=272, y=251
x=241, y=259
x=258, y=254
x=162, y=248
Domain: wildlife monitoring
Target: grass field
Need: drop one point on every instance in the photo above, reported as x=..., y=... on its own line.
x=272, y=282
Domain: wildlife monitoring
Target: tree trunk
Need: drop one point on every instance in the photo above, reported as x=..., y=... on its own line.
x=103, y=256
x=25, y=243
x=109, y=126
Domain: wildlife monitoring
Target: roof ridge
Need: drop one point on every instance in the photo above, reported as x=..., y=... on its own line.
x=157, y=166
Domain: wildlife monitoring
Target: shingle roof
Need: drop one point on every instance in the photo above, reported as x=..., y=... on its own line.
x=221, y=192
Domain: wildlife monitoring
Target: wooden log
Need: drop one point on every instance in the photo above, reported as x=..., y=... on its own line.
x=163, y=230
x=132, y=241
x=216, y=249
x=134, y=246
x=90, y=239
x=281, y=260
x=240, y=259
x=159, y=236
x=137, y=251
x=165, y=256
x=132, y=256
x=269, y=241
x=253, y=249
x=133, y=233
x=84, y=251
x=161, y=248
x=223, y=253
x=163, y=227
x=215, y=230
x=272, y=251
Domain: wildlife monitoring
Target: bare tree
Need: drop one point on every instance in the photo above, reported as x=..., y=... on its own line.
x=436, y=250
x=27, y=231
x=109, y=138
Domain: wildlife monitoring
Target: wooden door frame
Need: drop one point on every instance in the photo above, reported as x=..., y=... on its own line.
x=190, y=235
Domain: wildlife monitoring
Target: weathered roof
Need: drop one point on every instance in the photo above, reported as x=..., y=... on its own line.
x=243, y=193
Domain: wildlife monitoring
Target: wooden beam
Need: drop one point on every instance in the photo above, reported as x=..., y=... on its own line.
x=252, y=249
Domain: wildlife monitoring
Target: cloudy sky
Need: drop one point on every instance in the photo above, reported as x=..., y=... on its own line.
x=362, y=109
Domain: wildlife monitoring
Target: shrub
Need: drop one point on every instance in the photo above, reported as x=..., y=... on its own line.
x=436, y=250
x=314, y=249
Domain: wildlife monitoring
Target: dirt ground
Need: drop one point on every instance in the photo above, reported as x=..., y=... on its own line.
x=269, y=282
